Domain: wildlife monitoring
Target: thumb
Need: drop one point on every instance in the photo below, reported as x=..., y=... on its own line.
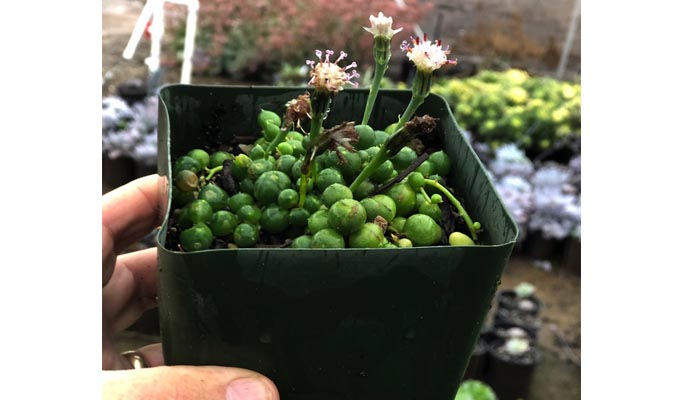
x=187, y=383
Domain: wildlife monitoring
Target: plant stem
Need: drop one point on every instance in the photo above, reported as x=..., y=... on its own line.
x=307, y=168
x=316, y=127
x=457, y=204
x=420, y=90
x=278, y=139
x=427, y=198
x=378, y=160
x=213, y=171
x=379, y=71
x=413, y=105
x=302, y=189
x=320, y=104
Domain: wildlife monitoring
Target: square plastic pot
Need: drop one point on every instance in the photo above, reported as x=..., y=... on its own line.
x=328, y=324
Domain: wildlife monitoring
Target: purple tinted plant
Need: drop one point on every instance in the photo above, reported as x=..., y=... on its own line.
x=115, y=111
x=130, y=131
x=516, y=193
x=510, y=160
x=575, y=167
x=556, y=203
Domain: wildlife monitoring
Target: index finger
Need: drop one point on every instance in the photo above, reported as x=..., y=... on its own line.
x=129, y=213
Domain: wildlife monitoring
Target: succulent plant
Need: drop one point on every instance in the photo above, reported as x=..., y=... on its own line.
x=510, y=160
x=130, y=131
x=524, y=289
x=535, y=113
x=556, y=202
x=516, y=193
x=516, y=346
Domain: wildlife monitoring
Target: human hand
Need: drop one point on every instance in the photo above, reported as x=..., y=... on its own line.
x=129, y=287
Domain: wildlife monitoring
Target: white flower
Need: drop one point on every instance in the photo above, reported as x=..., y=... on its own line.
x=381, y=26
x=329, y=77
x=427, y=56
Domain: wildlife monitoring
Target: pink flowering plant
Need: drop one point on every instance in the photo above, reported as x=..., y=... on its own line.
x=245, y=36
x=356, y=186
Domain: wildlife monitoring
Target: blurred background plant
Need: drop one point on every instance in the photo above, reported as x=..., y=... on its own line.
x=130, y=130
x=556, y=202
x=253, y=39
x=544, y=198
x=535, y=113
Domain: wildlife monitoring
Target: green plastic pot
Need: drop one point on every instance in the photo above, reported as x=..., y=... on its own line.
x=328, y=324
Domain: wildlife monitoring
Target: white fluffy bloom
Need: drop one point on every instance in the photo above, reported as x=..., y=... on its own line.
x=427, y=56
x=381, y=26
x=327, y=76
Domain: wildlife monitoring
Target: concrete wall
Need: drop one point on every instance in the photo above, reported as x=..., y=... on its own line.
x=524, y=33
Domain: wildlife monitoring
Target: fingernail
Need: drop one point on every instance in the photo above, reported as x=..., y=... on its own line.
x=247, y=389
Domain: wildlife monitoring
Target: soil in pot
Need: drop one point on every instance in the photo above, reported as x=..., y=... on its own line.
x=511, y=366
x=509, y=300
x=511, y=318
x=504, y=329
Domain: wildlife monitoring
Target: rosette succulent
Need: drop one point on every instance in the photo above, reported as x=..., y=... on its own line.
x=556, y=203
x=130, y=131
x=510, y=160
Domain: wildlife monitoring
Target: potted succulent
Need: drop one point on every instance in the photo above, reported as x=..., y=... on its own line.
x=478, y=363
x=556, y=211
x=128, y=138
x=517, y=311
x=571, y=259
x=347, y=306
x=511, y=364
x=521, y=299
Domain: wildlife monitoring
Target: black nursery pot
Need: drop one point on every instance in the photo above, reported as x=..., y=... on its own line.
x=504, y=320
x=117, y=171
x=571, y=258
x=476, y=369
x=328, y=324
x=540, y=248
x=508, y=300
x=511, y=377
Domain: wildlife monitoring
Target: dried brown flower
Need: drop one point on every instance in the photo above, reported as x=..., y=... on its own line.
x=342, y=135
x=297, y=110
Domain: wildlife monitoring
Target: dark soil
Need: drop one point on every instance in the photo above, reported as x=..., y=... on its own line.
x=530, y=357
